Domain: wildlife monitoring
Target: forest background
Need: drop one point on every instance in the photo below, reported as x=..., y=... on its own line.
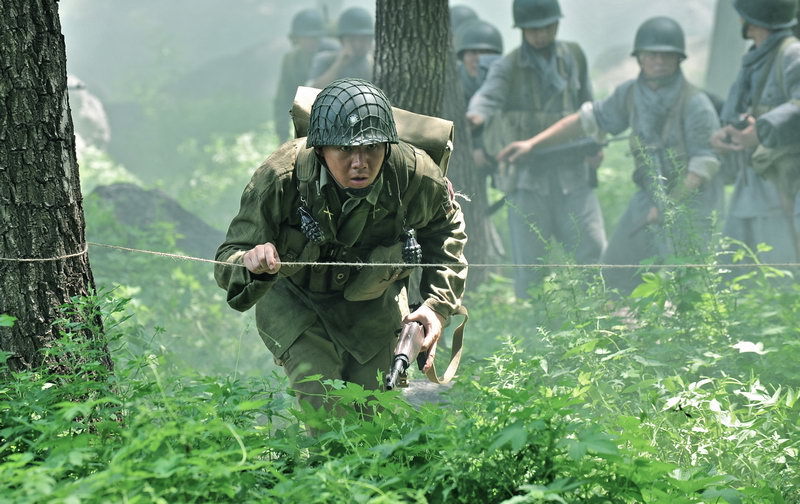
x=688, y=395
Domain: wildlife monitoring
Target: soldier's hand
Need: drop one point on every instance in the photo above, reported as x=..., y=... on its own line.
x=433, y=323
x=476, y=120
x=721, y=140
x=747, y=137
x=514, y=150
x=262, y=259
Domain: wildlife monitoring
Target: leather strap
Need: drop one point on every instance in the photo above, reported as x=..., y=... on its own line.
x=455, y=353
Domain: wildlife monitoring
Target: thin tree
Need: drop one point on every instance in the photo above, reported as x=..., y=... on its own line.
x=415, y=66
x=41, y=215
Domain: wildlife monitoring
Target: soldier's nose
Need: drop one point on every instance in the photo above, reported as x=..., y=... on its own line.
x=359, y=160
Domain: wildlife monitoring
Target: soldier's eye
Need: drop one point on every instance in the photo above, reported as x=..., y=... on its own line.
x=345, y=148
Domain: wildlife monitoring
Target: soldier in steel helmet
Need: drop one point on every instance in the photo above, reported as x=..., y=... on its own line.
x=526, y=91
x=763, y=208
x=675, y=167
x=308, y=36
x=356, y=31
x=478, y=44
x=349, y=192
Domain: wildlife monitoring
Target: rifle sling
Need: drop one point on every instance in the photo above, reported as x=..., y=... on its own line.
x=455, y=353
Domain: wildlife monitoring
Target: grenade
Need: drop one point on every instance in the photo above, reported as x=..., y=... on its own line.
x=412, y=251
x=310, y=227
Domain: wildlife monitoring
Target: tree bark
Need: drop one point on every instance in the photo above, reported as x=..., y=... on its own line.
x=41, y=214
x=415, y=66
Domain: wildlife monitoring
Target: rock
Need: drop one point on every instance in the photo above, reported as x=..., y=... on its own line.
x=141, y=209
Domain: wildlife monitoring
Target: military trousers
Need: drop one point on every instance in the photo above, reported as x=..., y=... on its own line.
x=687, y=233
x=774, y=230
x=536, y=221
x=314, y=352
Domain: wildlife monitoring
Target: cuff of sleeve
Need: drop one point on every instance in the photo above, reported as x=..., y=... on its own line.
x=443, y=309
x=589, y=122
x=704, y=166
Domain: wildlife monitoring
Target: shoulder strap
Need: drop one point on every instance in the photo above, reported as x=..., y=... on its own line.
x=411, y=190
x=777, y=67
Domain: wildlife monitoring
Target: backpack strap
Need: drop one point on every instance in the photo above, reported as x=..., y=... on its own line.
x=777, y=68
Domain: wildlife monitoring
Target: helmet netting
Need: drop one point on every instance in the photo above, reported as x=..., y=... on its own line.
x=351, y=112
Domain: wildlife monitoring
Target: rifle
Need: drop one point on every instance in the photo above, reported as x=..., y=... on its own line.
x=566, y=153
x=407, y=349
x=570, y=152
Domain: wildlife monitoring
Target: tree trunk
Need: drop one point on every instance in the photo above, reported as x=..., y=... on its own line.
x=415, y=66
x=41, y=216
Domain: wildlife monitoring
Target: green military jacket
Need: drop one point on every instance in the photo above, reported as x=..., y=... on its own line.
x=359, y=314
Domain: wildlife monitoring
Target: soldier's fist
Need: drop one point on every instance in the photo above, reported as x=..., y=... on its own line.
x=262, y=259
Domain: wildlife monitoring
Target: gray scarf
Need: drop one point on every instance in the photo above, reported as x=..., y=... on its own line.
x=653, y=106
x=754, y=63
x=545, y=63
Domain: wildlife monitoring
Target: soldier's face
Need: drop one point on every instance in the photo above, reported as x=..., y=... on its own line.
x=470, y=59
x=540, y=38
x=657, y=65
x=354, y=167
x=358, y=46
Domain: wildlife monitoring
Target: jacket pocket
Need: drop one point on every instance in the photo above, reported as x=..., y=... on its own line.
x=370, y=282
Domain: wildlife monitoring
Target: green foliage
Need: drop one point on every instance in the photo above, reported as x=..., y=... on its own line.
x=652, y=404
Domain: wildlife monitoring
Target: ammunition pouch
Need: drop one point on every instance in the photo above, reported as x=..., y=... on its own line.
x=780, y=164
x=370, y=282
x=293, y=246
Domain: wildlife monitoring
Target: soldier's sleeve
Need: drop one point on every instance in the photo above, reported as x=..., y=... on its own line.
x=611, y=113
x=781, y=127
x=442, y=239
x=491, y=96
x=700, y=122
x=256, y=223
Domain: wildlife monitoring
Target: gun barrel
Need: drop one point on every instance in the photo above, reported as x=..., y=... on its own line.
x=399, y=367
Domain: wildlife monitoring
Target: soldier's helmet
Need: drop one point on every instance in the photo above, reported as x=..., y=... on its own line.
x=536, y=13
x=355, y=21
x=660, y=34
x=351, y=112
x=478, y=35
x=770, y=14
x=460, y=14
x=307, y=23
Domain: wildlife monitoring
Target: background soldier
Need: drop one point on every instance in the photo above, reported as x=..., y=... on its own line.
x=671, y=122
x=349, y=192
x=525, y=92
x=306, y=34
x=478, y=44
x=356, y=32
x=761, y=211
x=460, y=14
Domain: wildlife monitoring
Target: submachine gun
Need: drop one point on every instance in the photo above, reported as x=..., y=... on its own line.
x=408, y=348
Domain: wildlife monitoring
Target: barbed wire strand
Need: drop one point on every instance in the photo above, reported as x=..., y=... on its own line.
x=402, y=265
